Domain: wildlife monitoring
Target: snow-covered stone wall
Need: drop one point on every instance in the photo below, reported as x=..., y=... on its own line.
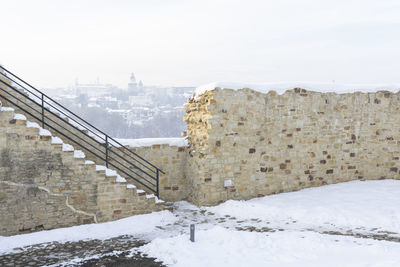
x=258, y=144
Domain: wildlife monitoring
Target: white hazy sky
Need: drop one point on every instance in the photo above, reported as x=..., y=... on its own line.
x=192, y=42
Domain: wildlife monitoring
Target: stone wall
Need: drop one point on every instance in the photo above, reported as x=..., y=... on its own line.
x=172, y=160
x=31, y=180
x=44, y=187
x=270, y=143
x=263, y=143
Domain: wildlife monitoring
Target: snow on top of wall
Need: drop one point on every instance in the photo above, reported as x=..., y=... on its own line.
x=173, y=141
x=282, y=87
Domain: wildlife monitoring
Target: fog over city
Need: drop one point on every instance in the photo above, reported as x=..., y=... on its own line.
x=188, y=43
x=59, y=46
x=136, y=110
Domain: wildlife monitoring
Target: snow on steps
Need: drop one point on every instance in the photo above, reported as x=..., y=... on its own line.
x=98, y=137
x=29, y=124
x=19, y=117
x=78, y=154
x=119, y=179
x=6, y=109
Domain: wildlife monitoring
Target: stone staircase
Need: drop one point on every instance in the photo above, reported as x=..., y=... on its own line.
x=45, y=183
x=71, y=129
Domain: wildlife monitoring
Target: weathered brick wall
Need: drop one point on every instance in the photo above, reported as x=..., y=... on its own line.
x=173, y=161
x=269, y=143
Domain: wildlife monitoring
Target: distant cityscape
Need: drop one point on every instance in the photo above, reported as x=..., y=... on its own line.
x=137, y=111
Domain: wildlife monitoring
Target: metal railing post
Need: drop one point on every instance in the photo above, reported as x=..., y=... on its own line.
x=107, y=151
x=158, y=192
x=43, y=111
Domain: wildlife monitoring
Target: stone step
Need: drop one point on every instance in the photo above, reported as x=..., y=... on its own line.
x=7, y=113
x=73, y=124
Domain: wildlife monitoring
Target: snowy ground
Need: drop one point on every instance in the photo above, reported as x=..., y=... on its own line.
x=348, y=224
x=223, y=247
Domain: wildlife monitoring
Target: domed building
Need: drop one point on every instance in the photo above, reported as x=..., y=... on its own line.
x=132, y=85
x=135, y=88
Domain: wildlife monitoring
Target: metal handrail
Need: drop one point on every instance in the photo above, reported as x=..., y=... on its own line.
x=43, y=96
x=81, y=139
x=109, y=142
x=74, y=141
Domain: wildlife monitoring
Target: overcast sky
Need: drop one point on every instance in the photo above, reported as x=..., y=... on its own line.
x=185, y=42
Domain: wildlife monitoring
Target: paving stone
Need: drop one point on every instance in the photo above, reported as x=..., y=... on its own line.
x=56, y=253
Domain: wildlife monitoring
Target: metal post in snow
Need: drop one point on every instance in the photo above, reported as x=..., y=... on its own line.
x=107, y=151
x=43, y=111
x=192, y=232
x=158, y=178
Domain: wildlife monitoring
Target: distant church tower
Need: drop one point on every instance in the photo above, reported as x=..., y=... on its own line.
x=141, y=87
x=132, y=85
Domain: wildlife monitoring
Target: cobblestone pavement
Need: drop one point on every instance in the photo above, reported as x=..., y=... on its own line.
x=120, y=251
x=110, y=252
